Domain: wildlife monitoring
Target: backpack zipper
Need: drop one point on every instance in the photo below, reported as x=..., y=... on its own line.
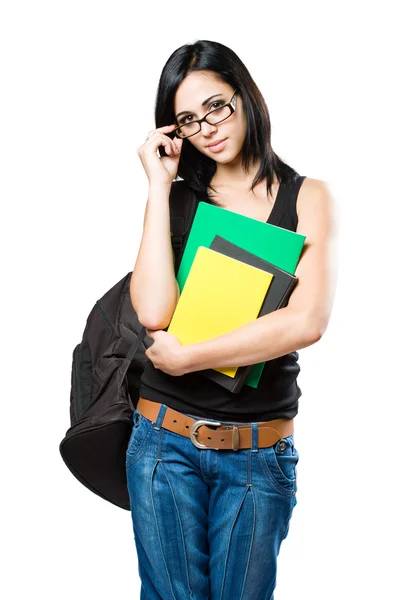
x=78, y=393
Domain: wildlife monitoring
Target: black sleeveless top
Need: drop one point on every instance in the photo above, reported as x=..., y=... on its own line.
x=277, y=393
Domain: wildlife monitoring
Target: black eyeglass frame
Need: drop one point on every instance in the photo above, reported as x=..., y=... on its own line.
x=231, y=105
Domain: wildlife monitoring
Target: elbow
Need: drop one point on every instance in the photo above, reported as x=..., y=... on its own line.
x=316, y=336
x=154, y=324
x=153, y=320
x=312, y=331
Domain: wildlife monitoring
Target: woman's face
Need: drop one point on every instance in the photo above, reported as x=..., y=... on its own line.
x=197, y=87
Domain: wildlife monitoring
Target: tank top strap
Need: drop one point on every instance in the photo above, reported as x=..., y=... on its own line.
x=285, y=213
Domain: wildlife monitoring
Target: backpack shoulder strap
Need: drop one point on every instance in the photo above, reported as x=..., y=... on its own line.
x=183, y=205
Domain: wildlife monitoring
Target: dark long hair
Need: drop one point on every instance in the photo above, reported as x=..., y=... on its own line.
x=196, y=168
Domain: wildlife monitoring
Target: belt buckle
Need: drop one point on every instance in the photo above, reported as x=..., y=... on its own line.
x=194, y=431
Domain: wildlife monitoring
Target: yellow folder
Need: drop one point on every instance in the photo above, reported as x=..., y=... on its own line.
x=220, y=294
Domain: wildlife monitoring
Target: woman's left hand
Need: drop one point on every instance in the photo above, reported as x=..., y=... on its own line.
x=166, y=352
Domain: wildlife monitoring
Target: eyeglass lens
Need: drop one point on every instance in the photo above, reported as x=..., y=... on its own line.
x=215, y=116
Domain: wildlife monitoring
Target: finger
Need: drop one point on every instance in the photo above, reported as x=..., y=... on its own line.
x=175, y=148
x=178, y=142
x=166, y=127
x=177, y=145
x=160, y=139
x=163, y=129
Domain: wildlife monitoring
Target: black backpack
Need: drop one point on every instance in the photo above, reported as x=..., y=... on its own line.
x=106, y=373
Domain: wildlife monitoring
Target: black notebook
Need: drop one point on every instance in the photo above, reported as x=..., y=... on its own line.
x=281, y=286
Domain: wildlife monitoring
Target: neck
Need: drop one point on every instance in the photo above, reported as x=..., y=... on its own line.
x=232, y=174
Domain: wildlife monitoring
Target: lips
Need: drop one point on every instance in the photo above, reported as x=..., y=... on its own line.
x=216, y=143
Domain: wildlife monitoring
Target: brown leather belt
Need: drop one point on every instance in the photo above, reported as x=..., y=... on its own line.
x=224, y=437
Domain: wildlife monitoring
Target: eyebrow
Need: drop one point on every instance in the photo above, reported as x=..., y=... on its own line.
x=185, y=112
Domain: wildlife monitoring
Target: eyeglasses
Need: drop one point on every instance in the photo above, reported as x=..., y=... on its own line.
x=215, y=116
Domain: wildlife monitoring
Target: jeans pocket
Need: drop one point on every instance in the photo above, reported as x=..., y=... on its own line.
x=279, y=463
x=139, y=433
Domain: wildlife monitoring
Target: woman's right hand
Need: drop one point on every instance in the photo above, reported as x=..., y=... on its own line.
x=160, y=169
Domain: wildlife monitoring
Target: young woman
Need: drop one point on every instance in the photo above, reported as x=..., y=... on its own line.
x=212, y=501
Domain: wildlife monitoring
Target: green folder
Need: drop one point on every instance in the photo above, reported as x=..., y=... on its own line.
x=279, y=246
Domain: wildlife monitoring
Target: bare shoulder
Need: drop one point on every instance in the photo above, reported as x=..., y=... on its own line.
x=316, y=204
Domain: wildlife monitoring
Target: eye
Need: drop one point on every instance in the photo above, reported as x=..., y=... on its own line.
x=183, y=120
x=219, y=102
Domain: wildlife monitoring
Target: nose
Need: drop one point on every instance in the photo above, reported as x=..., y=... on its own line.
x=207, y=128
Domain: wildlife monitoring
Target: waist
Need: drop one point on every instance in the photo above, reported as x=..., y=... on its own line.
x=214, y=434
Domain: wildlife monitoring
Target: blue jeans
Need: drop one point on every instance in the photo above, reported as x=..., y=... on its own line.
x=208, y=524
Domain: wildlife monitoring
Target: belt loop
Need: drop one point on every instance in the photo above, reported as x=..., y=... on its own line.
x=136, y=416
x=160, y=417
x=254, y=439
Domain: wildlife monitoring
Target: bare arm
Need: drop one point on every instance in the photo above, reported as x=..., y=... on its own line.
x=154, y=289
x=305, y=319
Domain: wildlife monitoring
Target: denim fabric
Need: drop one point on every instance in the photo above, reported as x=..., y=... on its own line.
x=208, y=524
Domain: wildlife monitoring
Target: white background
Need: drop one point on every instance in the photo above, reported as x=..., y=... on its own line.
x=78, y=85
